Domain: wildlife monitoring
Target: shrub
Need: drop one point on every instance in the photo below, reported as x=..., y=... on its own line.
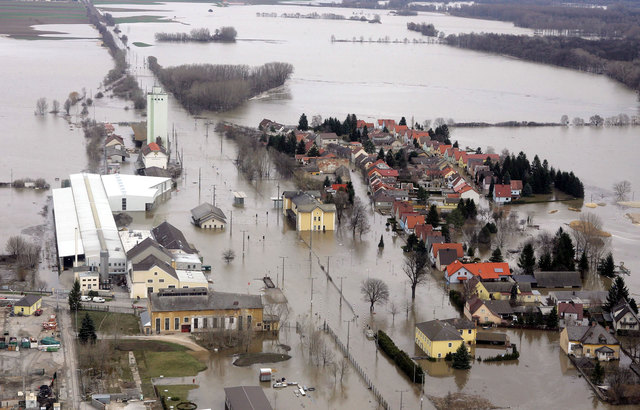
x=456, y=298
x=514, y=355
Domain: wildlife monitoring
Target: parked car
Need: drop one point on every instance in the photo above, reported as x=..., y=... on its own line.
x=85, y=298
x=98, y=299
x=37, y=312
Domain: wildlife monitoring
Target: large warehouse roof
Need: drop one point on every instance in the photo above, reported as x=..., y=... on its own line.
x=66, y=223
x=133, y=185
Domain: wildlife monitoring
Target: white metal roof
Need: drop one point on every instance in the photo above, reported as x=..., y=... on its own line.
x=66, y=222
x=190, y=276
x=130, y=238
x=97, y=226
x=122, y=185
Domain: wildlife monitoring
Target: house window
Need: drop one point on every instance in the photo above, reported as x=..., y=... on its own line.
x=186, y=320
x=449, y=344
x=469, y=331
x=149, y=280
x=150, y=289
x=161, y=280
x=214, y=322
x=124, y=204
x=195, y=323
x=240, y=322
x=155, y=273
x=157, y=325
x=166, y=323
x=230, y=320
x=439, y=355
x=204, y=322
x=249, y=322
x=176, y=323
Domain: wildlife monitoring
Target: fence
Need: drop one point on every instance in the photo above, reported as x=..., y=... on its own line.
x=112, y=309
x=378, y=395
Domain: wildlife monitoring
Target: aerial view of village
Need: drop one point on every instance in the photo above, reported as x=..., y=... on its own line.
x=352, y=204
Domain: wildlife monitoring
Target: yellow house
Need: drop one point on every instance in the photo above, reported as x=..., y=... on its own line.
x=27, y=305
x=307, y=212
x=200, y=310
x=438, y=337
x=594, y=342
x=502, y=291
x=487, y=311
x=151, y=274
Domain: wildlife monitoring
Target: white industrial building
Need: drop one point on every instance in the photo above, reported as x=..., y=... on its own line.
x=157, y=113
x=83, y=214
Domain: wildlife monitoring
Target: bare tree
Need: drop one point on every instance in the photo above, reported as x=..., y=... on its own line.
x=277, y=311
x=394, y=310
x=564, y=120
x=325, y=354
x=67, y=106
x=229, y=255
x=588, y=236
x=16, y=245
x=316, y=121
x=41, y=106
x=358, y=220
x=415, y=267
x=374, y=291
x=56, y=107
x=340, y=200
x=622, y=189
x=618, y=380
x=343, y=368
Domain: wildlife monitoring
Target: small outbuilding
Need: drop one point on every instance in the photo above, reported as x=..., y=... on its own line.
x=208, y=216
x=245, y=398
x=27, y=305
x=238, y=198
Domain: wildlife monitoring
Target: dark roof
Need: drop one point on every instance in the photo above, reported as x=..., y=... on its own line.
x=110, y=151
x=157, y=172
x=171, y=237
x=167, y=300
x=524, y=279
x=499, y=307
x=604, y=349
x=151, y=261
x=206, y=210
x=28, y=300
x=246, y=398
x=502, y=287
x=621, y=309
x=461, y=323
x=592, y=335
x=436, y=330
x=139, y=248
x=447, y=256
x=558, y=279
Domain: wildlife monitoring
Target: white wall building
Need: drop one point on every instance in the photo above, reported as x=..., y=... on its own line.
x=135, y=192
x=157, y=113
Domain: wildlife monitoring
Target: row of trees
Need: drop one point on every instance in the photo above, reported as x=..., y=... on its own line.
x=223, y=34
x=25, y=253
x=424, y=28
x=219, y=87
x=537, y=177
x=615, y=58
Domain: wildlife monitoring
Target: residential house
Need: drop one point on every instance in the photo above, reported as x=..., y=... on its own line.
x=571, y=312
x=245, y=398
x=409, y=221
x=151, y=274
x=593, y=342
x=171, y=237
x=467, y=329
x=154, y=155
x=467, y=192
x=199, y=309
x=382, y=201
x=435, y=248
x=115, y=155
x=516, y=188
x=145, y=248
x=437, y=338
x=114, y=141
x=588, y=298
x=325, y=138
x=445, y=258
x=28, y=305
x=307, y=212
x=501, y=193
x=208, y=216
x=487, y=311
x=504, y=290
x=487, y=271
x=556, y=280
x=624, y=318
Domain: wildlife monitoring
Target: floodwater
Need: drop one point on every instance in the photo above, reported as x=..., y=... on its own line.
x=373, y=80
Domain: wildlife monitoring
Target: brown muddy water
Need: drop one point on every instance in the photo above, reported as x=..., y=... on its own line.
x=373, y=80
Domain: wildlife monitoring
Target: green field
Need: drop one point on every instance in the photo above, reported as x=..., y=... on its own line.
x=112, y=323
x=142, y=19
x=17, y=17
x=180, y=391
x=141, y=44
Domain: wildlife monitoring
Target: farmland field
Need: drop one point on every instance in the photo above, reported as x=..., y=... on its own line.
x=18, y=17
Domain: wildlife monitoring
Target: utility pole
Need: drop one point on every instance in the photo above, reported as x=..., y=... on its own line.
x=231, y=225
x=213, y=195
x=401, y=391
x=328, y=261
x=243, y=232
x=341, y=277
x=312, y=278
x=199, y=180
x=348, y=332
x=283, y=258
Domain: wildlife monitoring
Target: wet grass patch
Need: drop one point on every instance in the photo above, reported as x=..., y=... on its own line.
x=248, y=359
x=177, y=392
x=113, y=323
x=141, y=44
x=143, y=19
x=17, y=18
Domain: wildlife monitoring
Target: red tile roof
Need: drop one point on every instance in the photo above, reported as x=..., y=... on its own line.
x=516, y=184
x=154, y=147
x=457, y=246
x=485, y=270
x=412, y=220
x=502, y=191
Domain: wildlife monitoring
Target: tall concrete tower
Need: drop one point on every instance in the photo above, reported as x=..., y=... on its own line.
x=157, y=116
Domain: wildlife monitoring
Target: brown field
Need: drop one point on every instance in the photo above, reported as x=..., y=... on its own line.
x=18, y=17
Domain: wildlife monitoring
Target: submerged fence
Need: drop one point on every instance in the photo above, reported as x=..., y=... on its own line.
x=378, y=395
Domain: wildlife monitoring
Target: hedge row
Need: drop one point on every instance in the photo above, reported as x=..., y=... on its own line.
x=402, y=359
x=514, y=355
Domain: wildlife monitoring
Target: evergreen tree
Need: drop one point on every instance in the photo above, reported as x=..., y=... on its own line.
x=461, y=358
x=351, y=192
x=544, y=262
x=455, y=144
x=552, y=319
x=313, y=151
x=87, y=331
x=389, y=159
x=633, y=305
x=291, y=144
x=302, y=148
x=491, y=188
x=513, y=299
x=432, y=216
x=365, y=132
x=597, y=375
x=470, y=252
x=606, y=266
x=455, y=218
x=74, y=297
x=368, y=146
x=381, y=154
x=506, y=178
x=303, y=124
x=423, y=194
x=326, y=182
x=471, y=210
x=563, y=252
x=485, y=235
x=496, y=255
x=583, y=265
x=403, y=121
x=617, y=292
x=527, y=191
x=381, y=243
x=445, y=233
x=527, y=260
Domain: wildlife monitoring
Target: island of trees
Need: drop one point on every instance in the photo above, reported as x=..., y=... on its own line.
x=211, y=87
x=424, y=28
x=203, y=35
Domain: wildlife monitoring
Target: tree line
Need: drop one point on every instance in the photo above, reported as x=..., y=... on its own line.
x=613, y=22
x=424, y=28
x=223, y=34
x=536, y=177
x=211, y=87
x=612, y=57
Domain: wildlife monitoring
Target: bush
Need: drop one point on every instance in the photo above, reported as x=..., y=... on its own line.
x=99, y=95
x=402, y=359
x=456, y=298
x=92, y=293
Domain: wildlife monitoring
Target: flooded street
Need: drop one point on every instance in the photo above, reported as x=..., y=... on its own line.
x=372, y=80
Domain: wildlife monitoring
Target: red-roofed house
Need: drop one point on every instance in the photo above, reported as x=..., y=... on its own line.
x=458, y=272
x=424, y=230
x=501, y=193
x=409, y=221
x=153, y=155
x=436, y=247
x=399, y=207
x=516, y=188
x=571, y=311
